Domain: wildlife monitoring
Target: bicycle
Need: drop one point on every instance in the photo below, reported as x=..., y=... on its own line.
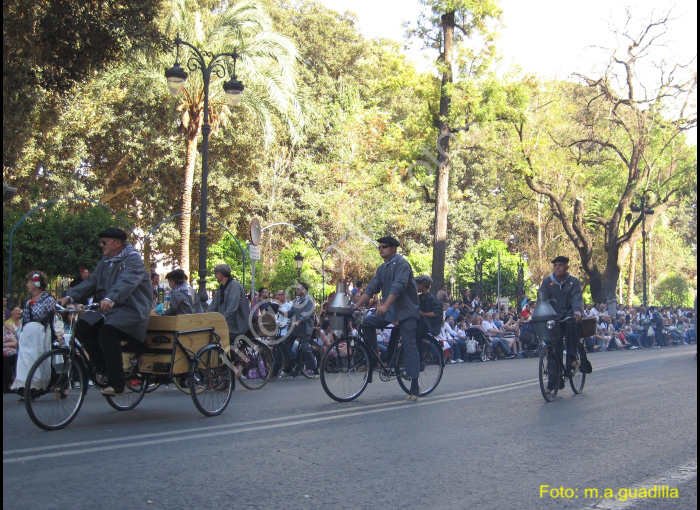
x=254, y=360
x=346, y=364
x=281, y=359
x=60, y=375
x=554, y=372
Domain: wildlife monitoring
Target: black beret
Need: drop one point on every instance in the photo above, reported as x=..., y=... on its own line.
x=561, y=258
x=388, y=240
x=113, y=233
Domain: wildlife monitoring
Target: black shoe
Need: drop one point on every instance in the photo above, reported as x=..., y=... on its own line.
x=369, y=376
x=562, y=383
x=510, y=356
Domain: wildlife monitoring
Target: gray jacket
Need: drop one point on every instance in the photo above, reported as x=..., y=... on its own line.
x=303, y=310
x=396, y=277
x=181, y=302
x=567, y=293
x=235, y=307
x=125, y=282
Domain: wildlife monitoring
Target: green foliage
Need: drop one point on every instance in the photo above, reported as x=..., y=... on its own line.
x=673, y=291
x=421, y=262
x=51, y=45
x=57, y=239
x=488, y=251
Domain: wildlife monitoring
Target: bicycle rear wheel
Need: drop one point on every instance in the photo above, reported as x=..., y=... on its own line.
x=344, y=370
x=257, y=370
x=577, y=378
x=211, y=381
x=549, y=373
x=431, y=367
x=57, y=397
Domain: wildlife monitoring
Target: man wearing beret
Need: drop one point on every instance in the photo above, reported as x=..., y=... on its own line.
x=566, y=290
x=121, y=285
x=399, y=304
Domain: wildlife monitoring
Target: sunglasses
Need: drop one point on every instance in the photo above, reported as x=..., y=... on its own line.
x=102, y=243
x=384, y=246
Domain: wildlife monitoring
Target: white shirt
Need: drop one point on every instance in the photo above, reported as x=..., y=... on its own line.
x=487, y=325
x=448, y=331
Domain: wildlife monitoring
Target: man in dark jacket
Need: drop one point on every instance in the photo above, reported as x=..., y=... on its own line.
x=121, y=285
x=566, y=290
x=399, y=304
x=302, y=317
x=429, y=308
x=231, y=301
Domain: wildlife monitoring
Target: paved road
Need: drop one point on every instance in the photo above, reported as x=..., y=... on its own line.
x=484, y=439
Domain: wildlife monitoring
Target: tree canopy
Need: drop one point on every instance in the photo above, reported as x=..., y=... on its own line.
x=340, y=135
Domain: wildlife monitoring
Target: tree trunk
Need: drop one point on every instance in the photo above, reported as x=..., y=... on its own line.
x=185, y=219
x=632, y=275
x=443, y=145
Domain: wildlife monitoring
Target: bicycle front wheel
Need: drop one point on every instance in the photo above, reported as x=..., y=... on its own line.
x=577, y=378
x=431, y=367
x=257, y=370
x=549, y=373
x=54, y=389
x=211, y=381
x=344, y=370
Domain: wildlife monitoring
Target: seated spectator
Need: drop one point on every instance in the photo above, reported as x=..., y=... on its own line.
x=83, y=275
x=511, y=332
x=631, y=337
x=603, y=334
x=325, y=335
x=383, y=340
x=452, y=310
x=450, y=335
x=494, y=333
x=526, y=313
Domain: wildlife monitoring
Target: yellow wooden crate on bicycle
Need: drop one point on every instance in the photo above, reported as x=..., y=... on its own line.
x=192, y=331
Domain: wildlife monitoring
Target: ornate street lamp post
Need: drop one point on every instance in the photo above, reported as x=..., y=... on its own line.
x=479, y=278
x=176, y=77
x=642, y=208
x=298, y=263
x=521, y=283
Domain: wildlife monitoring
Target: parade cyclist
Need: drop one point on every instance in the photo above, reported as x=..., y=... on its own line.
x=121, y=285
x=566, y=290
x=399, y=305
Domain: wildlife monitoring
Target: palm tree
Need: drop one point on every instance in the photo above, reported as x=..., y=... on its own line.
x=267, y=67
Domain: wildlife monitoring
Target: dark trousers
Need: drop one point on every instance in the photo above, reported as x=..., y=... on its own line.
x=9, y=366
x=407, y=328
x=305, y=346
x=570, y=332
x=103, y=343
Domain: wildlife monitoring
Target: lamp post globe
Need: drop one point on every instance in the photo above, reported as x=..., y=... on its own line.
x=298, y=264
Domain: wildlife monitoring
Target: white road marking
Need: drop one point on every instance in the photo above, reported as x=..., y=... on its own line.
x=258, y=425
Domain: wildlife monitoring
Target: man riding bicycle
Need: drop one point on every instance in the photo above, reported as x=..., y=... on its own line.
x=400, y=304
x=566, y=290
x=122, y=286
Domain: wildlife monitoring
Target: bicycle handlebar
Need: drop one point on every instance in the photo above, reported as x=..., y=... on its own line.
x=86, y=308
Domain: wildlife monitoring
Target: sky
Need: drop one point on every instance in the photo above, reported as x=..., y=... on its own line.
x=546, y=37
x=549, y=38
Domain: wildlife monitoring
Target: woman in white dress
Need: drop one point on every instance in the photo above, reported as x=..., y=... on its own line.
x=34, y=334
